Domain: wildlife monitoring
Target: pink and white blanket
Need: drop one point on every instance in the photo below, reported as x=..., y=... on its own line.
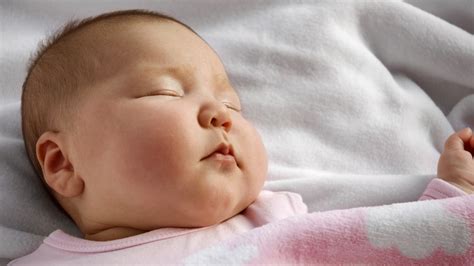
x=435, y=232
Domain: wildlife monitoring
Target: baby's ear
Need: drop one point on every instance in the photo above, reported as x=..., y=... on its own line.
x=58, y=171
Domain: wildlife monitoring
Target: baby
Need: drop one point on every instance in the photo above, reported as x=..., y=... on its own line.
x=131, y=122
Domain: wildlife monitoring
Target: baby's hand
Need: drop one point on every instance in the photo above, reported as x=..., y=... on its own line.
x=456, y=164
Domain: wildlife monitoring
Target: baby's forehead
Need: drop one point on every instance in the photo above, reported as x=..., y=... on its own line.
x=100, y=36
x=104, y=44
x=119, y=49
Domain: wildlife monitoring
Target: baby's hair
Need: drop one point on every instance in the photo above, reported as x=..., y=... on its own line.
x=60, y=70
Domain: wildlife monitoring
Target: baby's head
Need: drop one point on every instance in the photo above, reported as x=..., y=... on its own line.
x=130, y=120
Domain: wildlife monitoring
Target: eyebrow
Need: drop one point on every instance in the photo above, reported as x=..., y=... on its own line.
x=180, y=71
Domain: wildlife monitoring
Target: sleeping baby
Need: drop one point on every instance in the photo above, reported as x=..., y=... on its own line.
x=131, y=122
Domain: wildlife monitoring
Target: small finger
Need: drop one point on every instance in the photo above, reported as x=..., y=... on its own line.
x=454, y=142
x=465, y=134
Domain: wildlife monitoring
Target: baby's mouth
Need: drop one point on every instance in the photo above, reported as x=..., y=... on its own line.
x=224, y=153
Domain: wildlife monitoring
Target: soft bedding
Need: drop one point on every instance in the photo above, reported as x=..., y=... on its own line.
x=353, y=99
x=422, y=233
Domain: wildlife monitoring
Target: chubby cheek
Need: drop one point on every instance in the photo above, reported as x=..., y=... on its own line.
x=156, y=149
x=142, y=151
x=254, y=156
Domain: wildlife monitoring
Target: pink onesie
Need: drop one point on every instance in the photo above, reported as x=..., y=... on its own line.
x=171, y=245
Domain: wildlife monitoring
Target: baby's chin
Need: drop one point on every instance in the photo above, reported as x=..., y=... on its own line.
x=208, y=216
x=215, y=215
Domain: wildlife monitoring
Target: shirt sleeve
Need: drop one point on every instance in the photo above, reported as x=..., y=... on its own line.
x=440, y=189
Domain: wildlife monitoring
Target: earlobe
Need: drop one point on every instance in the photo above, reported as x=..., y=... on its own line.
x=58, y=171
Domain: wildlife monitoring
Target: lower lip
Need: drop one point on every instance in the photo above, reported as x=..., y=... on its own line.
x=222, y=157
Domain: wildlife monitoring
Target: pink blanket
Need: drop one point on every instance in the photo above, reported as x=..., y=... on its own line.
x=424, y=232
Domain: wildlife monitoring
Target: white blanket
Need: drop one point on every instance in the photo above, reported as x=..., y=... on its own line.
x=353, y=99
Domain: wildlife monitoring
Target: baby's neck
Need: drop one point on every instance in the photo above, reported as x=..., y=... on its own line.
x=113, y=234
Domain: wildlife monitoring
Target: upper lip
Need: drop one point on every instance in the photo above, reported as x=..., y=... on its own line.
x=223, y=148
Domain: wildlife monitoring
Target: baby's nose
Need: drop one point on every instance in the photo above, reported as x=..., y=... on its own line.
x=215, y=114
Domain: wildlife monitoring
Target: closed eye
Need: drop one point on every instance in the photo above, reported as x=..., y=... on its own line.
x=170, y=93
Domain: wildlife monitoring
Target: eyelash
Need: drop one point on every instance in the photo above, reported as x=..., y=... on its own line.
x=172, y=93
x=164, y=93
x=228, y=105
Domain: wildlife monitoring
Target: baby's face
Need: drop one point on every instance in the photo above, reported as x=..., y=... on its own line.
x=161, y=142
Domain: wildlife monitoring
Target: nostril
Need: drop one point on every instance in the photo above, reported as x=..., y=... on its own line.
x=214, y=122
x=227, y=125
